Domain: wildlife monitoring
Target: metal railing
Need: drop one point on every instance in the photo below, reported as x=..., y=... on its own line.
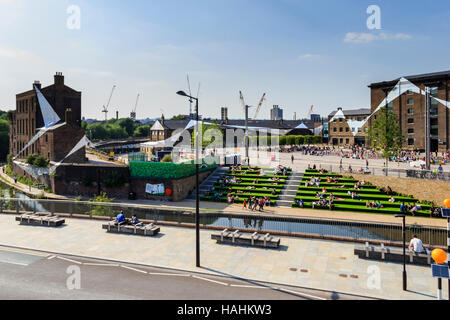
x=289, y=226
x=390, y=172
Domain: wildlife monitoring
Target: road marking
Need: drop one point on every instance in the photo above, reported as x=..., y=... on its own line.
x=100, y=264
x=302, y=294
x=218, y=282
x=23, y=251
x=248, y=286
x=17, y=263
x=130, y=268
x=169, y=274
x=51, y=257
x=70, y=260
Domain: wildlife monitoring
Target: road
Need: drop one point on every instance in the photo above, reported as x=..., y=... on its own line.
x=26, y=275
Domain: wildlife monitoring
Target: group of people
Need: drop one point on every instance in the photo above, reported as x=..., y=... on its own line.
x=374, y=204
x=323, y=203
x=253, y=203
x=411, y=208
x=121, y=219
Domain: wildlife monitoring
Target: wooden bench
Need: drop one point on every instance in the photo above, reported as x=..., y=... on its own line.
x=140, y=229
x=392, y=254
x=36, y=220
x=255, y=239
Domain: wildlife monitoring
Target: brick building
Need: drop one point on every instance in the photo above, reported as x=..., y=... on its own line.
x=345, y=127
x=27, y=119
x=410, y=108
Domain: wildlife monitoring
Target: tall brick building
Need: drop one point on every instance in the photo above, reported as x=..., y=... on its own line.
x=346, y=129
x=410, y=108
x=27, y=119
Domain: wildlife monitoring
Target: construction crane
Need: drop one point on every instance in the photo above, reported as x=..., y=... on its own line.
x=258, y=108
x=105, y=109
x=310, y=111
x=133, y=113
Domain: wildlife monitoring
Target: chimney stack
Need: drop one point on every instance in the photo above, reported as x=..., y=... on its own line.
x=117, y=115
x=162, y=119
x=59, y=78
x=37, y=84
x=69, y=116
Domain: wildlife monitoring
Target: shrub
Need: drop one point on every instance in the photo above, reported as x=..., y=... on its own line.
x=40, y=161
x=167, y=158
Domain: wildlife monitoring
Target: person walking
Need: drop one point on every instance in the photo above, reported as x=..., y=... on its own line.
x=292, y=159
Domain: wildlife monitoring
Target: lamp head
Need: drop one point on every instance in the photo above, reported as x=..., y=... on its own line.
x=182, y=93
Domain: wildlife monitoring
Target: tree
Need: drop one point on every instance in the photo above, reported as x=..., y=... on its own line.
x=4, y=139
x=385, y=134
x=179, y=117
x=142, y=131
x=207, y=138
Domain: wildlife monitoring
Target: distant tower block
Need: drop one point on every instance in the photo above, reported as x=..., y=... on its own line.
x=133, y=115
x=224, y=113
x=117, y=114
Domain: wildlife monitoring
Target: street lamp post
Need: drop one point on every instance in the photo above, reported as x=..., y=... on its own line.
x=404, y=248
x=197, y=196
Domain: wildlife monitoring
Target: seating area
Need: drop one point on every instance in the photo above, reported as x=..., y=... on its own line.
x=255, y=239
x=37, y=220
x=245, y=182
x=392, y=254
x=139, y=229
x=320, y=189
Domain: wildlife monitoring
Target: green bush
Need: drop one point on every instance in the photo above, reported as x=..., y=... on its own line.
x=40, y=162
x=167, y=158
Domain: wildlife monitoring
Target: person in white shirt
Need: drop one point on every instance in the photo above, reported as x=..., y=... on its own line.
x=416, y=244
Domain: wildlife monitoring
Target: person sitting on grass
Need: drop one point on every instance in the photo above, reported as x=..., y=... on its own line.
x=328, y=180
x=379, y=205
x=324, y=190
x=331, y=196
x=317, y=195
x=229, y=198
x=368, y=204
x=274, y=192
x=356, y=187
x=318, y=184
x=350, y=193
x=414, y=210
x=391, y=199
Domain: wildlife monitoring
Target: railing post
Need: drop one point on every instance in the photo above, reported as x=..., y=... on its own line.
x=90, y=210
x=34, y=207
x=70, y=209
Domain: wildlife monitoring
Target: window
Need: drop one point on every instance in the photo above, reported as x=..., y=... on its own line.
x=410, y=111
x=347, y=141
x=340, y=119
x=340, y=129
x=334, y=129
x=410, y=101
x=434, y=132
x=346, y=129
x=409, y=92
x=341, y=140
x=433, y=121
x=410, y=142
x=366, y=129
x=410, y=120
x=410, y=130
x=359, y=129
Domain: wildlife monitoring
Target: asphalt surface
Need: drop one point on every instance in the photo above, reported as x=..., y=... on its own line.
x=26, y=275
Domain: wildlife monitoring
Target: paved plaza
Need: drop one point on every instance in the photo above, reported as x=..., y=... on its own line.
x=318, y=264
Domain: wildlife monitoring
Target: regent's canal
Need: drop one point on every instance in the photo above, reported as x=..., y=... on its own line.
x=11, y=199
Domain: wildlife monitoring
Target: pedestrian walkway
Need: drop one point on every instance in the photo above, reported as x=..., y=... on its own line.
x=288, y=193
x=318, y=264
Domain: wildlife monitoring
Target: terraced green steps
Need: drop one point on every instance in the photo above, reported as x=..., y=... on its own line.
x=348, y=207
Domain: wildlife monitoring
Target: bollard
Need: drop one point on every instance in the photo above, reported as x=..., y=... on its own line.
x=367, y=249
x=428, y=256
x=383, y=251
x=253, y=238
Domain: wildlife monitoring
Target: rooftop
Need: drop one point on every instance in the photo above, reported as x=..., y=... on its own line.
x=433, y=76
x=353, y=112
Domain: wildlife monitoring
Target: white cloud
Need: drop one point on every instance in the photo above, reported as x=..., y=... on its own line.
x=14, y=53
x=361, y=37
x=307, y=56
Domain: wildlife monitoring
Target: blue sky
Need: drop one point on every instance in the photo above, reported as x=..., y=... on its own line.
x=298, y=52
